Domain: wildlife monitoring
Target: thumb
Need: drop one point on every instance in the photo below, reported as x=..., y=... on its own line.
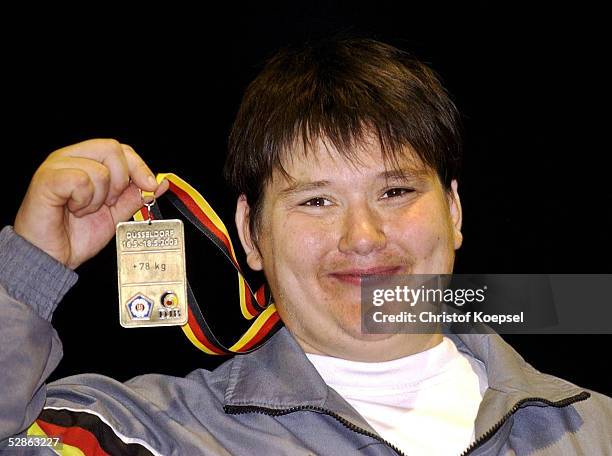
x=128, y=203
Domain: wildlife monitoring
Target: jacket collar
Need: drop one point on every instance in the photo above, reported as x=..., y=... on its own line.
x=279, y=376
x=511, y=379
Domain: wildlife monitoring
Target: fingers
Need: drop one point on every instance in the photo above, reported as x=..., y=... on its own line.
x=128, y=203
x=89, y=178
x=72, y=187
x=131, y=201
x=140, y=173
x=111, y=167
x=121, y=160
x=100, y=181
x=163, y=187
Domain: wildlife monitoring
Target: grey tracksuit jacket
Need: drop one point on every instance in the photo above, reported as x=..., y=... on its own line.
x=269, y=402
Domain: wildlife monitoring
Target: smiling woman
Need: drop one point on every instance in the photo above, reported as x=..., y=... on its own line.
x=345, y=156
x=356, y=177
x=318, y=254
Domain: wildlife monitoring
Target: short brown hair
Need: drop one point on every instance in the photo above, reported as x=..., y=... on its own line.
x=340, y=89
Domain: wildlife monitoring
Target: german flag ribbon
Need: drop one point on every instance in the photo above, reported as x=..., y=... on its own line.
x=83, y=433
x=256, y=306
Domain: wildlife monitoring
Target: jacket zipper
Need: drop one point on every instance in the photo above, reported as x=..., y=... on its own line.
x=559, y=404
x=239, y=410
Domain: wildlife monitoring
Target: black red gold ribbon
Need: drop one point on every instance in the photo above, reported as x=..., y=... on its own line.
x=253, y=305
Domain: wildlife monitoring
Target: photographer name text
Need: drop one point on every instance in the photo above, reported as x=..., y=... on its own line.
x=445, y=317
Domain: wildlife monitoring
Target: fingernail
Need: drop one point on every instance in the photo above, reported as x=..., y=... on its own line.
x=152, y=180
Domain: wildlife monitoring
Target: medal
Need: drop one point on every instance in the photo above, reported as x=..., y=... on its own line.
x=153, y=286
x=151, y=273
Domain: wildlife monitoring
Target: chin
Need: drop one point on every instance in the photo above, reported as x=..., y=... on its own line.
x=354, y=330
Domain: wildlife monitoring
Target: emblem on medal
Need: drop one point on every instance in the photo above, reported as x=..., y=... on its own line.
x=169, y=299
x=140, y=307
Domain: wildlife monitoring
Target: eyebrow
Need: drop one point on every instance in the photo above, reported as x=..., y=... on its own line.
x=404, y=173
x=397, y=174
x=299, y=187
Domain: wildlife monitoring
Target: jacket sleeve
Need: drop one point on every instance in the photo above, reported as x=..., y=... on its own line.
x=32, y=283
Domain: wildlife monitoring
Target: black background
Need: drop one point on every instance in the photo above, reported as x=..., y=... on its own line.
x=529, y=83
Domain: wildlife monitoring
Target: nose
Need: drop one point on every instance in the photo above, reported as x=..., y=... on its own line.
x=363, y=232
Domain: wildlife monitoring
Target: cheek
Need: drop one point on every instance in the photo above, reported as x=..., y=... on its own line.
x=424, y=231
x=299, y=245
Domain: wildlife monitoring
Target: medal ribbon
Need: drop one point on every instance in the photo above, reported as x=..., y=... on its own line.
x=255, y=306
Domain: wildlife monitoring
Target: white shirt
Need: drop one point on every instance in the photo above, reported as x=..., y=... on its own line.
x=424, y=403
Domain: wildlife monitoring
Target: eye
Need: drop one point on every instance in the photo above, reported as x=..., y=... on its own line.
x=397, y=192
x=316, y=202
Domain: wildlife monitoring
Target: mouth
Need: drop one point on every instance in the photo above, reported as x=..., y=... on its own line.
x=357, y=276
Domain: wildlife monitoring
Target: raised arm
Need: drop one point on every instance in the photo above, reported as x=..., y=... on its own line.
x=74, y=201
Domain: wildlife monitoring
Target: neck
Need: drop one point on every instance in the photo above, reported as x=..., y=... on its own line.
x=392, y=347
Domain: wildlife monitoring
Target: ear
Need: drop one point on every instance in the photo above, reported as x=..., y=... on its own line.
x=253, y=256
x=456, y=214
